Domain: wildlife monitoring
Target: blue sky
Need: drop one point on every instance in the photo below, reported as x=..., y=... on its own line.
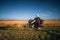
x=26, y=9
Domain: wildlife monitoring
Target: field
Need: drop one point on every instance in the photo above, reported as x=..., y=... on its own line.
x=10, y=31
x=24, y=22
x=52, y=22
x=25, y=33
x=13, y=22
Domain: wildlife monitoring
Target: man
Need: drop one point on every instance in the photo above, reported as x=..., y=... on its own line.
x=37, y=21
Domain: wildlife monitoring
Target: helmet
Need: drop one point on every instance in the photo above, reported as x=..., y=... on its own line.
x=37, y=15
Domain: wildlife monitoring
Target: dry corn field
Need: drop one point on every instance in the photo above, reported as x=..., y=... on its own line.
x=24, y=22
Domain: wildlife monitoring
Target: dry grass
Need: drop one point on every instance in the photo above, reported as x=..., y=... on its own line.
x=49, y=32
x=52, y=22
x=13, y=22
x=17, y=33
x=24, y=22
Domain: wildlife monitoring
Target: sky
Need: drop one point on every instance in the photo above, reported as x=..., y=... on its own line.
x=27, y=9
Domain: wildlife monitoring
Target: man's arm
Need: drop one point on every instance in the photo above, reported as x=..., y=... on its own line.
x=33, y=21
